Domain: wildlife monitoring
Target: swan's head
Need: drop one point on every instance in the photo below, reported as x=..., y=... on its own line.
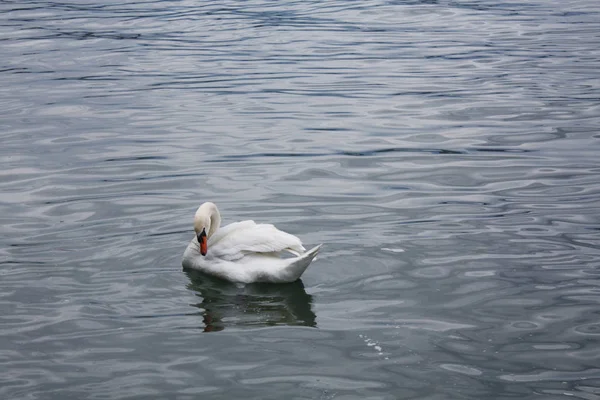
x=202, y=227
x=206, y=221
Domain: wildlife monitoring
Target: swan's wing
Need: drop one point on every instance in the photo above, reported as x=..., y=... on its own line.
x=234, y=241
x=226, y=230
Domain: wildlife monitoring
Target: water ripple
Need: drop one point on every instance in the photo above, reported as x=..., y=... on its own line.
x=450, y=169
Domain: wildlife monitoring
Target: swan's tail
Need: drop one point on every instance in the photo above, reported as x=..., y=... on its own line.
x=295, y=269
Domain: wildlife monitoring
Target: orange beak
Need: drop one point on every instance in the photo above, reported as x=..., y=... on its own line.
x=203, y=245
x=203, y=240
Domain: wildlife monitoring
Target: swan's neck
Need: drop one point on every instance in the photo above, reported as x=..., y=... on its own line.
x=207, y=216
x=215, y=221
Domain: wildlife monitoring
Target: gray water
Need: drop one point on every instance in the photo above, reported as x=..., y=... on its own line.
x=447, y=154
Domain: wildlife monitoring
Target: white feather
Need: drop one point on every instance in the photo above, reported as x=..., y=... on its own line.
x=247, y=252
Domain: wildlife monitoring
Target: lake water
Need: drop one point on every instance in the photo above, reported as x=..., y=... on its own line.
x=447, y=154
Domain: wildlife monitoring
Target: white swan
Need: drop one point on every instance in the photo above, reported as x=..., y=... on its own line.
x=244, y=251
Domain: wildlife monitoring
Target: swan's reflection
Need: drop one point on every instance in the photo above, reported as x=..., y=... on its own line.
x=226, y=305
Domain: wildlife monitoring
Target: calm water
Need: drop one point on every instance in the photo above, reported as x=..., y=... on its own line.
x=447, y=153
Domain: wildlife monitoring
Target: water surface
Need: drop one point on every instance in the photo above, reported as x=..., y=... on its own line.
x=445, y=152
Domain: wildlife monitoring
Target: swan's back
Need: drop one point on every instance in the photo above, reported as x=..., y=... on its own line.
x=239, y=239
